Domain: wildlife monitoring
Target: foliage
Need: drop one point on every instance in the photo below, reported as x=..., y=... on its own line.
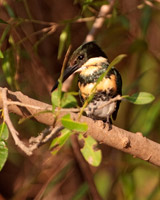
x=3, y=145
x=90, y=151
x=140, y=98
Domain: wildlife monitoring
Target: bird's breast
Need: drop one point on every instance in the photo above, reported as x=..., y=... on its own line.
x=107, y=85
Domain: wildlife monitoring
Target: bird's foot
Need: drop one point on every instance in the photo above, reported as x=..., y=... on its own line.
x=109, y=122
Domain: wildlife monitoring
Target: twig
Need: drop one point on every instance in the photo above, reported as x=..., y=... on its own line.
x=117, y=98
x=42, y=138
x=48, y=30
x=97, y=25
x=39, y=108
x=7, y=120
x=24, y=105
x=149, y=3
x=34, y=143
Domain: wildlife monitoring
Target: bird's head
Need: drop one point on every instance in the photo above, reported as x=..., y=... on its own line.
x=79, y=57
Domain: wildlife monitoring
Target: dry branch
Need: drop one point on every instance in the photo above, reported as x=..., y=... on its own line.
x=98, y=23
x=134, y=144
x=34, y=142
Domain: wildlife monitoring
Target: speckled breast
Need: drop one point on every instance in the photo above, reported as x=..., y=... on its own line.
x=98, y=108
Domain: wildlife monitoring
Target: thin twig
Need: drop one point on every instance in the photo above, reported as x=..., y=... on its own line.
x=39, y=108
x=7, y=120
x=25, y=105
x=117, y=98
x=34, y=143
x=44, y=137
x=98, y=23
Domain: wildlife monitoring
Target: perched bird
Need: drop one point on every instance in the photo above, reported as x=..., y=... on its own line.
x=89, y=61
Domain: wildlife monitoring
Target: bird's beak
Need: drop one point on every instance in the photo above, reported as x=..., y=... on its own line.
x=67, y=73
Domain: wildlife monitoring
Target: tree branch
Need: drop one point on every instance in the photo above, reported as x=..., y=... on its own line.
x=34, y=142
x=98, y=23
x=134, y=144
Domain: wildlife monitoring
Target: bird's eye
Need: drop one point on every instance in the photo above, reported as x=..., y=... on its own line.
x=80, y=57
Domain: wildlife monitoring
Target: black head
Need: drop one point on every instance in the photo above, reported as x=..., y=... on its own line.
x=84, y=53
x=81, y=55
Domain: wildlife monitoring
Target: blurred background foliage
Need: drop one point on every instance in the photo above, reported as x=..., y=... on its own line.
x=34, y=36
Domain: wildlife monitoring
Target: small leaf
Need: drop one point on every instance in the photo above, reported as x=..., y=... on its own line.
x=59, y=92
x=67, y=100
x=3, y=131
x=67, y=122
x=81, y=192
x=140, y=98
x=64, y=38
x=117, y=60
x=1, y=54
x=59, y=141
x=114, y=62
x=4, y=34
x=9, y=9
x=3, y=22
x=92, y=155
x=8, y=67
x=54, y=100
x=3, y=154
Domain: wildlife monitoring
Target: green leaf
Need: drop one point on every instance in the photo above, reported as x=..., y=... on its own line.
x=4, y=34
x=59, y=141
x=67, y=100
x=9, y=9
x=117, y=60
x=67, y=122
x=140, y=98
x=8, y=66
x=3, y=131
x=150, y=118
x=81, y=192
x=3, y=154
x=59, y=91
x=89, y=151
x=1, y=54
x=54, y=99
x=3, y=22
x=114, y=62
x=64, y=40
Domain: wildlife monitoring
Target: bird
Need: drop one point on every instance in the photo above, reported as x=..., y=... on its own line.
x=89, y=61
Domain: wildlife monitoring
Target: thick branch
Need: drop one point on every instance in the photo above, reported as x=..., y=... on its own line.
x=134, y=144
